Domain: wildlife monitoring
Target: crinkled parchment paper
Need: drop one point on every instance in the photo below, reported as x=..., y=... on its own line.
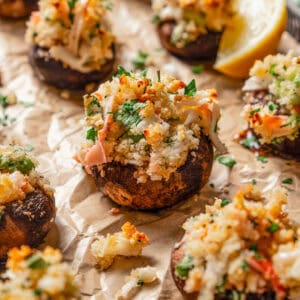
x=52, y=124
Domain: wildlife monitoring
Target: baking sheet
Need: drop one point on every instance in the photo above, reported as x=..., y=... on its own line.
x=53, y=125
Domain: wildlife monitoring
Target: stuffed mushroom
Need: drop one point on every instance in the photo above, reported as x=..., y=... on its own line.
x=33, y=275
x=272, y=110
x=150, y=139
x=27, y=208
x=192, y=29
x=17, y=8
x=244, y=248
x=70, y=43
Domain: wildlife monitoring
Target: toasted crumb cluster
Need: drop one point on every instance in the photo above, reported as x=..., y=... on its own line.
x=75, y=32
x=278, y=116
x=193, y=17
x=17, y=175
x=128, y=242
x=150, y=122
x=244, y=245
x=35, y=275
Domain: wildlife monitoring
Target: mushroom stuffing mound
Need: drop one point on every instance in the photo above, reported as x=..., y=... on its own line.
x=27, y=208
x=192, y=28
x=149, y=140
x=244, y=248
x=272, y=110
x=71, y=42
x=37, y=275
x=17, y=8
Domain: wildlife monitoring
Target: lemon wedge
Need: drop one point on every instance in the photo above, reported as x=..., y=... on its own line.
x=255, y=32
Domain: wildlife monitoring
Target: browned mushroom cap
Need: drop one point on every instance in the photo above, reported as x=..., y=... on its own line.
x=53, y=72
x=205, y=47
x=287, y=148
x=26, y=222
x=118, y=181
x=17, y=8
x=177, y=256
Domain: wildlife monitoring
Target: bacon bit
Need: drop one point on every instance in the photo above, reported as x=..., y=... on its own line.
x=298, y=60
x=115, y=211
x=265, y=267
x=297, y=108
x=17, y=255
x=213, y=93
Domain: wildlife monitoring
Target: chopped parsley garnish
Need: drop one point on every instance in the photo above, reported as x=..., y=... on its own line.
x=297, y=79
x=225, y=202
x=140, y=282
x=144, y=73
x=272, y=106
x=198, y=69
x=182, y=269
x=236, y=295
x=262, y=159
x=93, y=107
x=22, y=164
x=36, y=262
x=158, y=76
x=273, y=227
x=253, y=247
x=250, y=142
x=121, y=71
x=253, y=181
x=155, y=19
x=227, y=161
x=5, y=120
x=190, y=89
x=37, y=292
x=220, y=288
x=107, y=4
x=140, y=60
x=128, y=114
x=71, y=4
x=134, y=137
x=169, y=141
x=254, y=111
x=287, y=181
x=272, y=70
x=91, y=134
x=245, y=265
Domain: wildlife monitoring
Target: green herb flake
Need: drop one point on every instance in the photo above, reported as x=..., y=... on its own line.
x=94, y=107
x=287, y=181
x=155, y=19
x=128, y=114
x=250, y=142
x=253, y=247
x=158, y=76
x=272, y=70
x=134, y=137
x=91, y=134
x=198, y=69
x=107, y=4
x=236, y=295
x=182, y=269
x=262, y=159
x=225, y=202
x=190, y=89
x=272, y=106
x=253, y=182
x=254, y=111
x=227, y=161
x=37, y=292
x=297, y=79
x=140, y=60
x=140, y=282
x=121, y=71
x=36, y=262
x=245, y=265
x=22, y=164
x=220, y=288
x=273, y=227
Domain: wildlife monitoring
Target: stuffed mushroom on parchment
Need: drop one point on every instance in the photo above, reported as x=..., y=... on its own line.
x=243, y=248
x=192, y=29
x=70, y=42
x=27, y=209
x=272, y=109
x=150, y=139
